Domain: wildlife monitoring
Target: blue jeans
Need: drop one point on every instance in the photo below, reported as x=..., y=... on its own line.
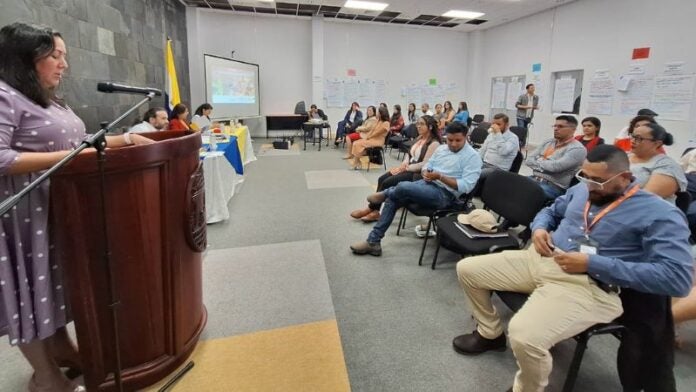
x=551, y=191
x=420, y=192
x=523, y=122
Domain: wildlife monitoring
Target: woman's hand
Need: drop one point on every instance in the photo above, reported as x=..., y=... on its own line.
x=395, y=170
x=140, y=140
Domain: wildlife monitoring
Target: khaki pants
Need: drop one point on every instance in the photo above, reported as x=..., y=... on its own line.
x=561, y=305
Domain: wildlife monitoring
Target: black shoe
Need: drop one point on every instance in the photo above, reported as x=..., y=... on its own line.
x=474, y=344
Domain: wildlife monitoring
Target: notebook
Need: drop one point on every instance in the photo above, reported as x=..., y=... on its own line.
x=473, y=233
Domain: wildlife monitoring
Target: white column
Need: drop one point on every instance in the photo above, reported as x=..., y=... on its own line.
x=317, y=61
x=476, y=95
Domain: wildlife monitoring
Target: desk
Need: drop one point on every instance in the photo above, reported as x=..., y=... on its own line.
x=283, y=122
x=310, y=129
x=223, y=170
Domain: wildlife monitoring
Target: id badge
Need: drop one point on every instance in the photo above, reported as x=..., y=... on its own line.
x=587, y=245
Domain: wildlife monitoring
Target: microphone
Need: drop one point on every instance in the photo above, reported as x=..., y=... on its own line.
x=108, y=87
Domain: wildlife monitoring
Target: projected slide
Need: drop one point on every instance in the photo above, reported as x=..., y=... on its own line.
x=232, y=87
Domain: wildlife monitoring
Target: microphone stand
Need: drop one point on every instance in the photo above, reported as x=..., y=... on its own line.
x=98, y=142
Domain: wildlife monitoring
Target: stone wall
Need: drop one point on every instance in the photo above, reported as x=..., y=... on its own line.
x=110, y=40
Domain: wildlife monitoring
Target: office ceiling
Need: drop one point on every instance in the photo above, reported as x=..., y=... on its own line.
x=415, y=13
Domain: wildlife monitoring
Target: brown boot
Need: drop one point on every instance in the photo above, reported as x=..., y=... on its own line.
x=357, y=214
x=371, y=217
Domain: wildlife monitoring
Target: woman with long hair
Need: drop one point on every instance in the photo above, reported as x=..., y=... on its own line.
x=374, y=138
x=38, y=130
x=449, y=115
x=201, y=117
x=427, y=142
x=365, y=128
x=396, y=124
x=590, y=133
x=462, y=115
x=178, y=118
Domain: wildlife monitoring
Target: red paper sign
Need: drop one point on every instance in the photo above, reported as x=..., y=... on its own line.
x=351, y=72
x=641, y=53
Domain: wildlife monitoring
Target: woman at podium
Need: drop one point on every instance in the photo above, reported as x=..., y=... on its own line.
x=37, y=130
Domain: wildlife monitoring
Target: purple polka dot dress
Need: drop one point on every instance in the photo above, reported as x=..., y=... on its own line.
x=32, y=296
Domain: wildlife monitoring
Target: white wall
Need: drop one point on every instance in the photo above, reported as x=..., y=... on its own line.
x=590, y=35
x=280, y=46
x=399, y=55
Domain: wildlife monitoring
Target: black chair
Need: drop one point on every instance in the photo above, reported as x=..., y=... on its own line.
x=408, y=133
x=517, y=163
x=477, y=119
x=515, y=301
x=300, y=108
x=497, y=195
x=683, y=200
x=433, y=215
x=410, y=136
x=479, y=135
x=377, y=154
x=522, y=134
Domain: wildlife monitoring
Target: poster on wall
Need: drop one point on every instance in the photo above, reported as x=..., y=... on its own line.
x=563, y=95
x=638, y=95
x=514, y=90
x=498, y=94
x=334, y=94
x=673, y=96
x=601, y=94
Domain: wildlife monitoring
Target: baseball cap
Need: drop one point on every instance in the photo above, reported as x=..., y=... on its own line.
x=646, y=112
x=480, y=220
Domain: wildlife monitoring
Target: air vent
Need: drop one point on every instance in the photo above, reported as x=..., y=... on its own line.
x=476, y=21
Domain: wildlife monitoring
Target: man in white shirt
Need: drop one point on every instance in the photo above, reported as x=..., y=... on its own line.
x=501, y=146
x=155, y=119
x=526, y=105
x=425, y=110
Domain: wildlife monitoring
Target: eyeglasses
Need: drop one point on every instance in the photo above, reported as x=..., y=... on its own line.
x=639, y=139
x=594, y=184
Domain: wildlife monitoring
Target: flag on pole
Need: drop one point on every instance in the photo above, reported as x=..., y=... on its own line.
x=171, y=92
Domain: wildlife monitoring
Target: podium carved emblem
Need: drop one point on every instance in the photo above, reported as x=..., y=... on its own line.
x=196, y=235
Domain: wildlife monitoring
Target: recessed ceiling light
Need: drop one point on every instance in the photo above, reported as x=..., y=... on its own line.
x=365, y=5
x=265, y=1
x=463, y=14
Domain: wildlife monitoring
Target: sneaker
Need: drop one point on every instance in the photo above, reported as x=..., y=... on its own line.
x=364, y=248
x=420, y=231
x=474, y=344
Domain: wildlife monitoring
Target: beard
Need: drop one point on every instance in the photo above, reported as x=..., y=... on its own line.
x=600, y=200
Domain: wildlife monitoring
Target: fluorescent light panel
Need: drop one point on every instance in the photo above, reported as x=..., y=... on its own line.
x=266, y=1
x=463, y=14
x=365, y=5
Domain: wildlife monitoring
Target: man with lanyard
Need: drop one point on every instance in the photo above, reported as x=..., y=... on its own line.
x=556, y=160
x=526, y=104
x=603, y=237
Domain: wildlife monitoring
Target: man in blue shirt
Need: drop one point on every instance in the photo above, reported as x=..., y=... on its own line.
x=602, y=235
x=451, y=171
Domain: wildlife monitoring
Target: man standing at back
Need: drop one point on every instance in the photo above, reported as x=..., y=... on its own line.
x=526, y=104
x=555, y=161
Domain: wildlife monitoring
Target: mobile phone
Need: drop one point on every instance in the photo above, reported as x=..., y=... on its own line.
x=555, y=250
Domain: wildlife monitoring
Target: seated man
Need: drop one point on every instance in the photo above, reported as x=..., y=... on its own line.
x=500, y=147
x=607, y=234
x=316, y=114
x=555, y=161
x=451, y=171
x=155, y=119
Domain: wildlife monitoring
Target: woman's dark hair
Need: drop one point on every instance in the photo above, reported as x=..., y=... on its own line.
x=659, y=133
x=397, y=113
x=178, y=109
x=432, y=125
x=205, y=106
x=370, y=108
x=409, y=107
x=463, y=106
x=448, y=103
x=635, y=120
x=595, y=121
x=22, y=45
x=383, y=114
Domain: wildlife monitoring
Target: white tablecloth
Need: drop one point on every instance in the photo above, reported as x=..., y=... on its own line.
x=221, y=180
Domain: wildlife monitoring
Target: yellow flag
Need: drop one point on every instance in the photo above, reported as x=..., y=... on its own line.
x=172, y=87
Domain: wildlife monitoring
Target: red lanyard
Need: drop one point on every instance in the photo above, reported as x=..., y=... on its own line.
x=610, y=207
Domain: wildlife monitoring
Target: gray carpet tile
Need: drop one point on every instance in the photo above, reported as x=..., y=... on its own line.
x=262, y=287
x=396, y=319
x=321, y=179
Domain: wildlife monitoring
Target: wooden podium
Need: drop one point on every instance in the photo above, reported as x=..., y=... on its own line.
x=155, y=216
